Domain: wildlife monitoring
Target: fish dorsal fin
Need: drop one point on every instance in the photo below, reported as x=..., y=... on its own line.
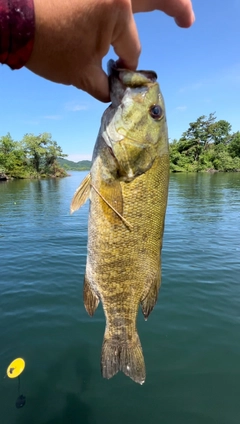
x=81, y=194
x=112, y=201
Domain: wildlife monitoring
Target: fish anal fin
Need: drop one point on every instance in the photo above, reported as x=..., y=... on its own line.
x=150, y=299
x=125, y=356
x=81, y=194
x=91, y=300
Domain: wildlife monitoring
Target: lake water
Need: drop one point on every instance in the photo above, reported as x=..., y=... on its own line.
x=191, y=341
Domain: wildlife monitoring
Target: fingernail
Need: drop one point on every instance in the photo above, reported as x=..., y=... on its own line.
x=193, y=17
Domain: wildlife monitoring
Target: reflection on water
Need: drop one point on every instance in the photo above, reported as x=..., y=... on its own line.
x=211, y=195
x=191, y=340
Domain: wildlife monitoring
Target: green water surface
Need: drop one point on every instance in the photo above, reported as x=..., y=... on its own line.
x=191, y=341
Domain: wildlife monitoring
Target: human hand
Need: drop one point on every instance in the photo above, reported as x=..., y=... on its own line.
x=71, y=38
x=180, y=10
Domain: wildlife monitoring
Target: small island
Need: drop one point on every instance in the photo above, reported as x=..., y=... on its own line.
x=35, y=156
x=208, y=145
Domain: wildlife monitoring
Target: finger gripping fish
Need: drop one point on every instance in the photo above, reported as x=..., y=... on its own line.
x=128, y=188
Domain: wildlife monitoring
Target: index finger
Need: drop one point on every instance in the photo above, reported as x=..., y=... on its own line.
x=127, y=45
x=180, y=10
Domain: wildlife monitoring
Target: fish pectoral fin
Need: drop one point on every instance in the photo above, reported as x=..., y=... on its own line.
x=148, y=303
x=123, y=355
x=112, y=201
x=91, y=300
x=81, y=194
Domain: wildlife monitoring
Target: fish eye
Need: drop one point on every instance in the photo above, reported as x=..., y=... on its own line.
x=156, y=111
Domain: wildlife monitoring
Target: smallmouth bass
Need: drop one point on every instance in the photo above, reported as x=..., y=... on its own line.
x=128, y=188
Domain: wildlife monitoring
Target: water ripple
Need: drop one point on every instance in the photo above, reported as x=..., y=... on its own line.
x=191, y=340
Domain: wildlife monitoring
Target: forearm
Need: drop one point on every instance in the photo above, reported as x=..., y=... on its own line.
x=16, y=32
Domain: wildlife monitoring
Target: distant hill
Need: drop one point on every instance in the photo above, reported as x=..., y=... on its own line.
x=69, y=165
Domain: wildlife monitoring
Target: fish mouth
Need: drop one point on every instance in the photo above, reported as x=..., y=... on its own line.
x=129, y=78
x=121, y=79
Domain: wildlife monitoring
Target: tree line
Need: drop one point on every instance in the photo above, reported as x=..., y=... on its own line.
x=35, y=156
x=207, y=145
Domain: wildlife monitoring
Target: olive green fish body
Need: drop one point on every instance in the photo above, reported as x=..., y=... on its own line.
x=127, y=187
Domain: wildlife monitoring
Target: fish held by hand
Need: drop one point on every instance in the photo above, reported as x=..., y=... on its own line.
x=128, y=188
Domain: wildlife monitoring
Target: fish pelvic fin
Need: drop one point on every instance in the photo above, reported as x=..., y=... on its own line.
x=81, y=194
x=148, y=303
x=125, y=356
x=91, y=300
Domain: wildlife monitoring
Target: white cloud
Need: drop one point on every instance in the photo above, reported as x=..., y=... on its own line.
x=76, y=106
x=76, y=157
x=181, y=108
x=53, y=117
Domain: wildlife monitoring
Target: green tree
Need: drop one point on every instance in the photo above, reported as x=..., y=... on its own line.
x=197, y=137
x=234, y=145
x=52, y=152
x=197, y=149
x=33, y=146
x=34, y=156
x=42, y=152
x=7, y=144
x=12, y=159
x=222, y=160
x=219, y=132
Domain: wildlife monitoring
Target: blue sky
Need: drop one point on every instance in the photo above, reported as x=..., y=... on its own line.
x=198, y=71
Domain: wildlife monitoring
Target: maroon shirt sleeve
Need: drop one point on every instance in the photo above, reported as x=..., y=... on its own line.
x=16, y=32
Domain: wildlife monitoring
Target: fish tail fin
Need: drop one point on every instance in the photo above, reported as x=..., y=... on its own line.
x=125, y=356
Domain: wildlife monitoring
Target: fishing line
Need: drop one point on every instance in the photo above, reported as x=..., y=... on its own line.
x=129, y=226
